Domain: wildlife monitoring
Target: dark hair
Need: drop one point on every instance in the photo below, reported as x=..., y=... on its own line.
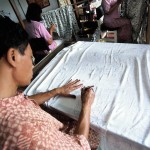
x=12, y=35
x=33, y=12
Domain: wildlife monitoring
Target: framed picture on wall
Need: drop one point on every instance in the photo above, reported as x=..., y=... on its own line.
x=42, y=3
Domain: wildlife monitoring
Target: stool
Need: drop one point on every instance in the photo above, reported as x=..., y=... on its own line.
x=108, y=34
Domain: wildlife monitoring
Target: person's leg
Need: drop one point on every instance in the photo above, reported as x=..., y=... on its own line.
x=124, y=31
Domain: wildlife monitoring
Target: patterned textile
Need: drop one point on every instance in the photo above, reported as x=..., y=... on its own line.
x=70, y=125
x=135, y=10
x=24, y=125
x=113, y=20
x=65, y=20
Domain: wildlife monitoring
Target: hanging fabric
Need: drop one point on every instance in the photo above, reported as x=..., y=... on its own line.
x=135, y=10
x=65, y=20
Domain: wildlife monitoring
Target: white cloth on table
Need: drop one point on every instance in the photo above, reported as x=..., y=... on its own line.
x=120, y=74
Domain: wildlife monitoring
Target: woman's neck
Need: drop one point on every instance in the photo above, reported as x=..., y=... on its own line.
x=7, y=90
x=8, y=87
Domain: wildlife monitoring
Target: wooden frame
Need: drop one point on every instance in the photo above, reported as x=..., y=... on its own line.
x=42, y=3
x=13, y=5
x=148, y=27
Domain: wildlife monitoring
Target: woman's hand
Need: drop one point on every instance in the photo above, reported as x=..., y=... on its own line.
x=87, y=96
x=69, y=87
x=53, y=27
x=51, y=30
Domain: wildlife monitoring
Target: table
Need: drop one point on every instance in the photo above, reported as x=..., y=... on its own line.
x=121, y=77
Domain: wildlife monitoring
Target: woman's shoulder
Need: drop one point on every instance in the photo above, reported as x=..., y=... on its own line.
x=36, y=22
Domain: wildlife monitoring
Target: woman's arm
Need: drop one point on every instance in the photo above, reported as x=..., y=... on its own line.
x=113, y=7
x=52, y=29
x=46, y=34
x=83, y=126
x=65, y=90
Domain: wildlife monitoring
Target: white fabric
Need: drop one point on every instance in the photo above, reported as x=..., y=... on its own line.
x=59, y=42
x=120, y=74
x=95, y=4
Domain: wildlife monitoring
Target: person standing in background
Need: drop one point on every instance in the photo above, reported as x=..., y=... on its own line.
x=112, y=19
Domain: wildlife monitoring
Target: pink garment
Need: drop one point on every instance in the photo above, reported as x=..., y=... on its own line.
x=107, y=4
x=113, y=20
x=36, y=30
x=25, y=126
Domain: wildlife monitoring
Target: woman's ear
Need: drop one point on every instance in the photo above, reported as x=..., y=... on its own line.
x=12, y=57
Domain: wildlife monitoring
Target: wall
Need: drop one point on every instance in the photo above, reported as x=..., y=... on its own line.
x=6, y=7
x=22, y=7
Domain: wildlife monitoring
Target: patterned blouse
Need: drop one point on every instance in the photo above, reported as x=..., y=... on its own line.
x=24, y=125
